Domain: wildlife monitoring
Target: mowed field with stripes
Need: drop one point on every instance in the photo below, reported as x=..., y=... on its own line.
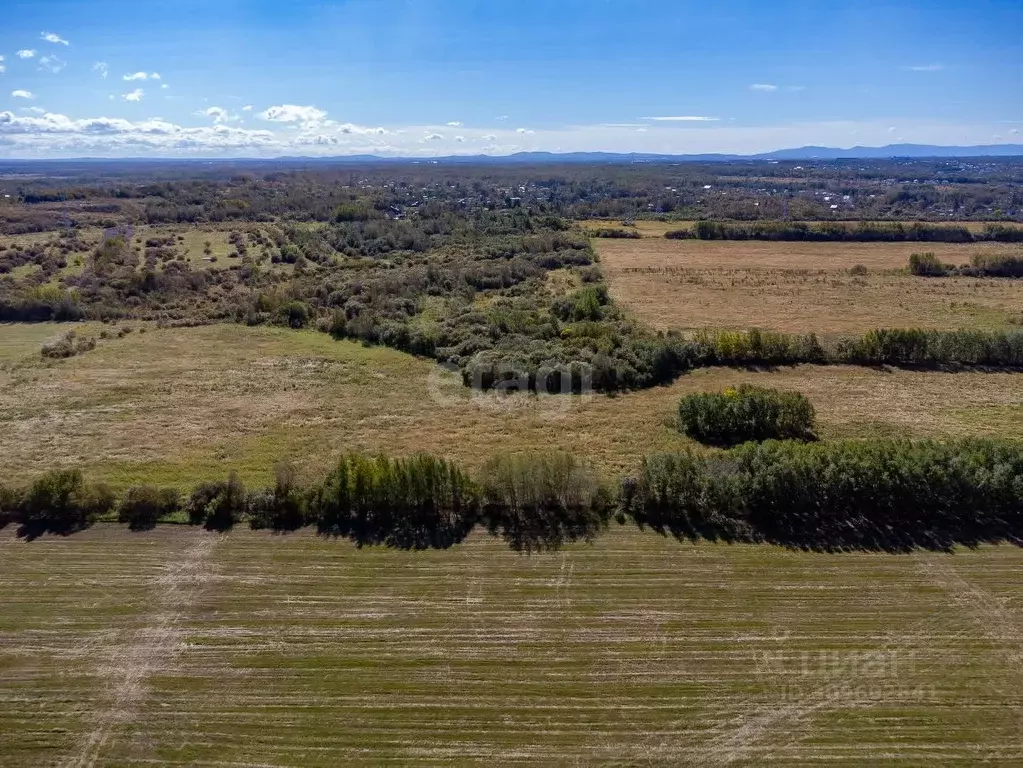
x=183, y=647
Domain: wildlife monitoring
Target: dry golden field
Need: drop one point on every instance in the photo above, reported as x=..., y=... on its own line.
x=179, y=405
x=801, y=287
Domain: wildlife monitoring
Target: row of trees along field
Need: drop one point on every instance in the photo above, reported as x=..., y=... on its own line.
x=861, y=232
x=888, y=495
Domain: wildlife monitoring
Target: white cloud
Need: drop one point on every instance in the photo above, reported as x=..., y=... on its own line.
x=683, y=119
x=524, y=131
x=142, y=76
x=102, y=68
x=135, y=95
x=34, y=110
x=3, y=67
x=307, y=117
x=164, y=86
x=1014, y=131
x=110, y=136
x=50, y=37
x=247, y=108
x=925, y=68
x=52, y=64
x=219, y=115
x=25, y=135
x=892, y=129
x=350, y=129
x=433, y=137
x=765, y=87
x=26, y=53
x=501, y=118
x=455, y=124
x=20, y=94
x=459, y=139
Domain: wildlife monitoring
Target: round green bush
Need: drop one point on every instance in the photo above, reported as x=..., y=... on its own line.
x=749, y=413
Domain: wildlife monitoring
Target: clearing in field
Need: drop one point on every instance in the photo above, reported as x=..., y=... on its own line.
x=802, y=287
x=181, y=647
x=175, y=406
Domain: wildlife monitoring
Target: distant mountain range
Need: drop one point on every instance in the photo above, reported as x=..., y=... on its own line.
x=799, y=153
x=915, y=151
x=895, y=150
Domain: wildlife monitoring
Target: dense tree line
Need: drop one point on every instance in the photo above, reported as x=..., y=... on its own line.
x=892, y=495
x=532, y=502
x=862, y=232
x=887, y=495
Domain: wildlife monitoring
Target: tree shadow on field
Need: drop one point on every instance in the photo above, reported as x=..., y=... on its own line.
x=544, y=530
x=37, y=529
x=405, y=532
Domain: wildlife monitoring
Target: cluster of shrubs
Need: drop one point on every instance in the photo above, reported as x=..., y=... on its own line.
x=888, y=495
x=981, y=265
x=615, y=233
x=68, y=345
x=757, y=347
x=862, y=232
x=35, y=304
x=60, y=501
x=533, y=502
x=738, y=415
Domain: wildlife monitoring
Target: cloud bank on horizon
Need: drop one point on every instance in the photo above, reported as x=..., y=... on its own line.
x=215, y=83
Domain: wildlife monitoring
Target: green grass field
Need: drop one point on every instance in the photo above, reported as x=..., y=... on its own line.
x=181, y=647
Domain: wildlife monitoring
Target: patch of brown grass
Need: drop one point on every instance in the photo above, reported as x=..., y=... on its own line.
x=643, y=227
x=800, y=287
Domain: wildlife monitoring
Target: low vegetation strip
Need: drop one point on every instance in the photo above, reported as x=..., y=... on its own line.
x=868, y=495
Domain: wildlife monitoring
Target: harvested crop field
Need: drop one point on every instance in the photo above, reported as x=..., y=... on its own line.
x=176, y=406
x=802, y=287
x=182, y=647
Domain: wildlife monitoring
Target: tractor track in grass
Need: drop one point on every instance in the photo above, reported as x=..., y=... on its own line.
x=149, y=650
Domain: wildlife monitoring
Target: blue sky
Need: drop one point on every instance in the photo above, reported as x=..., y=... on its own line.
x=436, y=77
